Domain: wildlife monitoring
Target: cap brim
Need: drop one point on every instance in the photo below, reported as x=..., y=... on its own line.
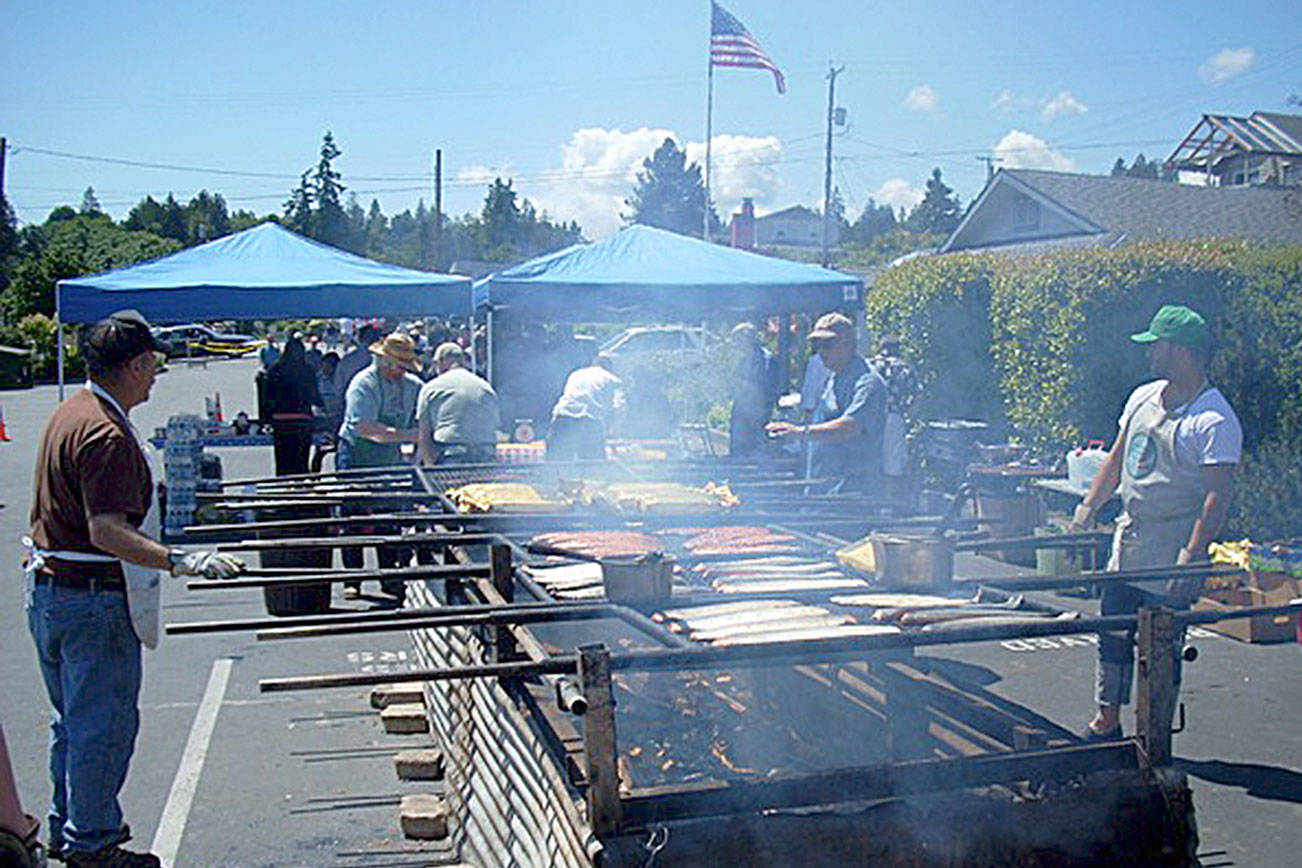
x=1144, y=337
x=823, y=335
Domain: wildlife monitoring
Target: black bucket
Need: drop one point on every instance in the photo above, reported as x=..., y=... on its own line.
x=295, y=599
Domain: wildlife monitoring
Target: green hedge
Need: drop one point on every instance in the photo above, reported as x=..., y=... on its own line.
x=1040, y=344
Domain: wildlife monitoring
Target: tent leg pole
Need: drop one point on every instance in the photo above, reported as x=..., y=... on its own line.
x=58, y=328
x=489, y=349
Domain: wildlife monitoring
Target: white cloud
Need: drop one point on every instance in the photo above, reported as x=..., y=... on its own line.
x=1005, y=102
x=599, y=169
x=921, y=99
x=1226, y=64
x=1063, y=103
x=899, y=194
x=1021, y=150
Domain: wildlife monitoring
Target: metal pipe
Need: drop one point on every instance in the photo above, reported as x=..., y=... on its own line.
x=453, y=618
x=1064, y=540
x=350, y=473
x=405, y=574
x=236, y=625
x=296, y=543
x=216, y=497
x=1044, y=583
x=716, y=657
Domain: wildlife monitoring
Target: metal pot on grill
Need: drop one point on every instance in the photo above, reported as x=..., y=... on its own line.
x=642, y=581
x=913, y=560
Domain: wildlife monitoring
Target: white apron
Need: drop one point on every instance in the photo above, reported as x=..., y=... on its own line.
x=143, y=584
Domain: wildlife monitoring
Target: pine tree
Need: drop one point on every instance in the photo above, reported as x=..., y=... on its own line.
x=90, y=204
x=939, y=210
x=670, y=193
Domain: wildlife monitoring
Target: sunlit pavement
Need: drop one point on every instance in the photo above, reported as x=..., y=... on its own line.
x=280, y=783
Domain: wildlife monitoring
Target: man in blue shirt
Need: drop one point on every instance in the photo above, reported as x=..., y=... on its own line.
x=845, y=436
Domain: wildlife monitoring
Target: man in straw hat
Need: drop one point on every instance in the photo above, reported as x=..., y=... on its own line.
x=1177, y=445
x=380, y=416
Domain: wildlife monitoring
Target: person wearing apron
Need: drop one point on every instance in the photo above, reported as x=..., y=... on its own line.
x=92, y=588
x=1178, y=444
x=379, y=416
x=457, y=413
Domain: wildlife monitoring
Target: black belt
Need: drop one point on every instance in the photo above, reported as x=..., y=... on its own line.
x=105, y=578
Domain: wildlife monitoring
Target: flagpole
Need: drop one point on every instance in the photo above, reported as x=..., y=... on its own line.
x=709, y=129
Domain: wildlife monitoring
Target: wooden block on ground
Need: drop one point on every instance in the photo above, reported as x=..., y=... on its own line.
x=405, y=717
x=424, y=817
x=419, y=765
x=384, y=695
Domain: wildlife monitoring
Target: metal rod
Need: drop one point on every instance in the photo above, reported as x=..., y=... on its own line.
x=296, y=543
x=392, y=470
x=1063, y=540
x=404, y=574
x=1042, y=583
x=354, y=617
x=215, y=497
x=502, y=618
x=811, y=651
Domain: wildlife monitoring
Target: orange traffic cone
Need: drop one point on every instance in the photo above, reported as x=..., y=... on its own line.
x=4, y=434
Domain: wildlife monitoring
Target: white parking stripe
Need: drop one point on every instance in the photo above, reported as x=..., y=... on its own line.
x=167, y=840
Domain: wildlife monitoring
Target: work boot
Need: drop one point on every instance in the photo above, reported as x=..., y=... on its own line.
x=112, y=857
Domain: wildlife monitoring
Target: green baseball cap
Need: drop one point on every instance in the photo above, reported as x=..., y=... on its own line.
x=1176, y=324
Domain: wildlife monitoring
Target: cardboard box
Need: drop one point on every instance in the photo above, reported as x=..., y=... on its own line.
x=1260, y=628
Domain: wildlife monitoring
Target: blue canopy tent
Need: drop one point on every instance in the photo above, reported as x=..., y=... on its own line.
x=266, y=272
x=643, y=272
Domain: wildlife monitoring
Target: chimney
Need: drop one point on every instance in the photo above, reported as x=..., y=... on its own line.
x=743, y=226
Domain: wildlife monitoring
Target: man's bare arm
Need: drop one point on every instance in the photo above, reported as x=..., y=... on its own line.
x=112, y=533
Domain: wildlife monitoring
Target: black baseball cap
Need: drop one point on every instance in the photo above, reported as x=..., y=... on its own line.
x=119, y=337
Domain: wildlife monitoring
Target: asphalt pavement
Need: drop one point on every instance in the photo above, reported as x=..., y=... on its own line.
x=226, y=776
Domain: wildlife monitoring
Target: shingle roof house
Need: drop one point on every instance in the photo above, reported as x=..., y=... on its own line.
x=1027, y=210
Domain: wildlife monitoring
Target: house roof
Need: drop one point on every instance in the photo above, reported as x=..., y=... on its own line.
x=1113, y=210
x=797, y=211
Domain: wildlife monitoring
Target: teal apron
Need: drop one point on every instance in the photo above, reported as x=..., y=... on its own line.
x=368, y=453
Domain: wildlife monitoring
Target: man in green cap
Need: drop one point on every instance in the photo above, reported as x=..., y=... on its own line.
x=1176, y=448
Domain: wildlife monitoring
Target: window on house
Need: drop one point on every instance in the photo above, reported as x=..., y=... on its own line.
x=1026, y=214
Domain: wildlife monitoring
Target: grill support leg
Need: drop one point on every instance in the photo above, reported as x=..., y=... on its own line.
x=604, y=807
x=1155, y=687
x=504, y=647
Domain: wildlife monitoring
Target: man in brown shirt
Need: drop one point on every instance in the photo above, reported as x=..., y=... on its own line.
x=92, y=589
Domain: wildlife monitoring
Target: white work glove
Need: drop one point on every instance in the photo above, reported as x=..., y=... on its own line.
x=1082, y=519
x=210, y=565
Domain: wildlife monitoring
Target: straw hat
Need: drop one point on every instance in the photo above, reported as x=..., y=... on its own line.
x=398, y=349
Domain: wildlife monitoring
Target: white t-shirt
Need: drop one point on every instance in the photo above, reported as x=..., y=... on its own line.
x=1208, y=431
x=591, y=392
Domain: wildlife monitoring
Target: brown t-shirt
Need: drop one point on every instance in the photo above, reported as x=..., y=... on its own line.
x=88, y=464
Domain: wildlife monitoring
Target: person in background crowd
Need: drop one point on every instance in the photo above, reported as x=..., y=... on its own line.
x=291, y=395
x=845, y=437
x=754, y=391
x=312, y=352
x=585, y=413
x=332, y=400
x=901, y=391
x=270, y=353
x=357, y=359
x=457, y=413
x=92, y=589
x=1177, y=445
x=379, y=416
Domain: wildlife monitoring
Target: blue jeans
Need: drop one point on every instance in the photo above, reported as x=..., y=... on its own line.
x=1115, y=671
x=90, y=661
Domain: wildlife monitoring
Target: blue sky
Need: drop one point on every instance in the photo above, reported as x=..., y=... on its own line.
x=568, y=97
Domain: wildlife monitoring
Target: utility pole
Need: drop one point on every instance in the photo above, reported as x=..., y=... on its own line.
x=990, y=166
x=832, y=73
x=3, y=147
x=438, y=206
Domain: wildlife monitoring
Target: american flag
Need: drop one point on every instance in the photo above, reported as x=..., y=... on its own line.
x=732, y=45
